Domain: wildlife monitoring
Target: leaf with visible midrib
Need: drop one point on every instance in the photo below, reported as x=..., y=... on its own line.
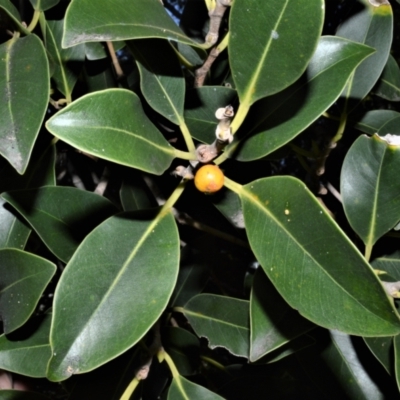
x=119, y=20
x=271, y=43
x=310, y=261
x=224, y=321
x=370, y=199
x=113, y=290
x=111, y=124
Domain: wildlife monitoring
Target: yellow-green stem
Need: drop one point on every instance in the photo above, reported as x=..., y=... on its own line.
x=35, y=20
x=232, y=185
x=213, y=362
x=341, y=128
x=130, y=389
x=368, y=251
x=187, y=137
x=174, y=197
x=240, y=116
x=171, y=365
x=184, y=155
x=224, y=43
x=301, y=151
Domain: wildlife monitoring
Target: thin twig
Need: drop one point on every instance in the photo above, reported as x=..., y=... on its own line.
x=114, y=58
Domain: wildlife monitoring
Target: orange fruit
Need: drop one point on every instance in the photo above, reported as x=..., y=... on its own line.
x=209, y=179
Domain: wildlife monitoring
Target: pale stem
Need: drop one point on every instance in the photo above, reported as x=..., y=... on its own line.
x=130, y=389
x=240, y=117
x=368, y=251
x=35, y=20
x=184, y=155
x=187, y=137
x=171, y=365
x=174, y=197
x=232, y=185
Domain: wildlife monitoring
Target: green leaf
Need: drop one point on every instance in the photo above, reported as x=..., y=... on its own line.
x=61, y=216
x=273, y=323
x=135, y=194
x=278, y=119
x=231, y=207
x=288, y=229
x=396, y=341
x=200, y=106
x=271, y=43
x=9, y=16
x=391, y=126
x=182, y=389
x=30, y=355
x=373, y=26
x=24, y=277
x=224, y=321
x=109, y=296
x=390, y=264
x=111, y=124
x=119, y=20
x=162, y=84
x=66, y=63
x=24, y=84
x=14, y=232
x=43, y=5
x=371, y=199
x=372, y=121
x=339, y=369
x=96, y=51
x=388, y=86
x=184, y=349
x=382, y=349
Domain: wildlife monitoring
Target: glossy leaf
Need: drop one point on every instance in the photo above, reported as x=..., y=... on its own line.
x=390, y=264
x=371, y=199
x=24, y=74
x=271, y=43
x=110, y=292
x=382, y=349
x=278, y=119
x=43, y=5
x=184, y=349
x=61, y=216
x=273, y=323
x=372, y=121
x=294, y=346
x=287, y=228
x=388, y=86
x=24, y=277
x=28, y=356
x=119, y=20
x=338, y=369
x=182, y=389
x=200, y=106
x=111, y=124
x=10, y=15
x=13, y=231
x=224, y=321
x=363, y=27
x=162, y=84
x=96, y=50
x=391, y=127
x=66, y=63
